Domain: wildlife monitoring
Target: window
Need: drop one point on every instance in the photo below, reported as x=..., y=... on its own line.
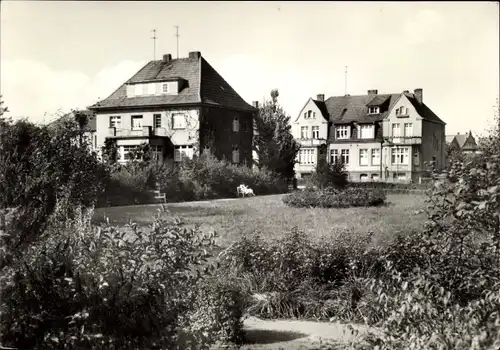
x=366, y=131
x=95, y=141
x=126, y=152
x=344, y=155
x=375, y=156
x=400, y=156
x=334, y=156
x=245, y=126
x=396, y=131
x=401, y=111
x=373, y=110
x=138, y=89
x=408, y=129
x=309, y=115
x=399, y=176
x=236, y=124
x=115, y=121
x=157, y=120
x=164, y=88
x=363, y=177
x=375, y=177
x=236, y=154
x=307, y=156
x=157, y=152
x=136, y=122
x=363, y=156
x=342, y=132
x=303, y=132
x=182, y=152
x=315, y=131
x=178, y=121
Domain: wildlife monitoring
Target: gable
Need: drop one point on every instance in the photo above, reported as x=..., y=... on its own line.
x=312, y=107
x=214, y=89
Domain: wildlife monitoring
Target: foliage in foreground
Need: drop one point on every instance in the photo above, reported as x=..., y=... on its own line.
x=330, y=198
x=41, y=167
x=104, y=288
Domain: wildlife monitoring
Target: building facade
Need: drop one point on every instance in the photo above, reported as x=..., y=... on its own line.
x=180, y=107
x=379, y=137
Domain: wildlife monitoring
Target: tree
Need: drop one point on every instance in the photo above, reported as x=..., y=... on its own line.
x=44, y=171
x=273, y=141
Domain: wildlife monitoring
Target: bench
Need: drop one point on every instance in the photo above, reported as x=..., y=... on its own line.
x=159, y=195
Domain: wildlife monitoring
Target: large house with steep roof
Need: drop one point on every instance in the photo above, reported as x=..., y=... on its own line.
x=379, y=137
x=179, y=107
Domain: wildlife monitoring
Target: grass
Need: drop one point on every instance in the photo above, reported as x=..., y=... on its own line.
x=234, y=218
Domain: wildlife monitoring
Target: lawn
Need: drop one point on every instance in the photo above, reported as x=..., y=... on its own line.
x=233, y=218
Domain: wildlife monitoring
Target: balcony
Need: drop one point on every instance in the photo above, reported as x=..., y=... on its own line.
x=145, y=131
x=311, y=142
x=405, y=140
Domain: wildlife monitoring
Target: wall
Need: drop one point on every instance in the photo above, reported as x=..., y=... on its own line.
x=428, y=150
x=354, y=167
x=319, y=120
x=217, y=133
x=178, y=137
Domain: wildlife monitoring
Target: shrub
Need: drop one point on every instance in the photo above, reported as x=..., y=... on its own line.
x=103, y=288
x=451, y=299
x=208, y=177
x=39, y=168
x=350, y=197
x=216, y=315
x=327, y=175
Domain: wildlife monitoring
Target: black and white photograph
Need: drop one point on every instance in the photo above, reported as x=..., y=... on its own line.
x=282, y=175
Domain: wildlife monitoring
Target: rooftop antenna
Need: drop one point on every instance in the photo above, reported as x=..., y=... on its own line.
x=177, y=35
x=345, y=87
x=154, y=44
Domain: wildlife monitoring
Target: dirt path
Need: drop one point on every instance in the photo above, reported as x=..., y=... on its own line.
x=296, y=334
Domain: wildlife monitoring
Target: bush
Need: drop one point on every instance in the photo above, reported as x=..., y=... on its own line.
x=327, y=175
x=349, y=197
x=216, y=315
x=102, y=288
x=40, y=168
x=297, y=277
x=451, y=298
x=207, y=177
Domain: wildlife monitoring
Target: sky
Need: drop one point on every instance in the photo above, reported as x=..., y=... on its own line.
x=57, y=56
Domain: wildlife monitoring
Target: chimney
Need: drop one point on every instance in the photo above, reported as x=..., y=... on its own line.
x=406, y=92
x=195, y=54
x=167, y=57
x=255, y=104
x=320, y=97
x=372, y=92
x=419, y=95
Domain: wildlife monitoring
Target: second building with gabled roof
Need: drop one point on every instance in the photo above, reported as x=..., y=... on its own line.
x=380, y=137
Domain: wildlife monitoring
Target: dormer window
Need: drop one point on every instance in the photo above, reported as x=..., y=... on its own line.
x=373, y=110
x=342, y=132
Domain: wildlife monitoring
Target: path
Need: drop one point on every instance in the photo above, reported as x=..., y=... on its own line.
x=296, y=334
